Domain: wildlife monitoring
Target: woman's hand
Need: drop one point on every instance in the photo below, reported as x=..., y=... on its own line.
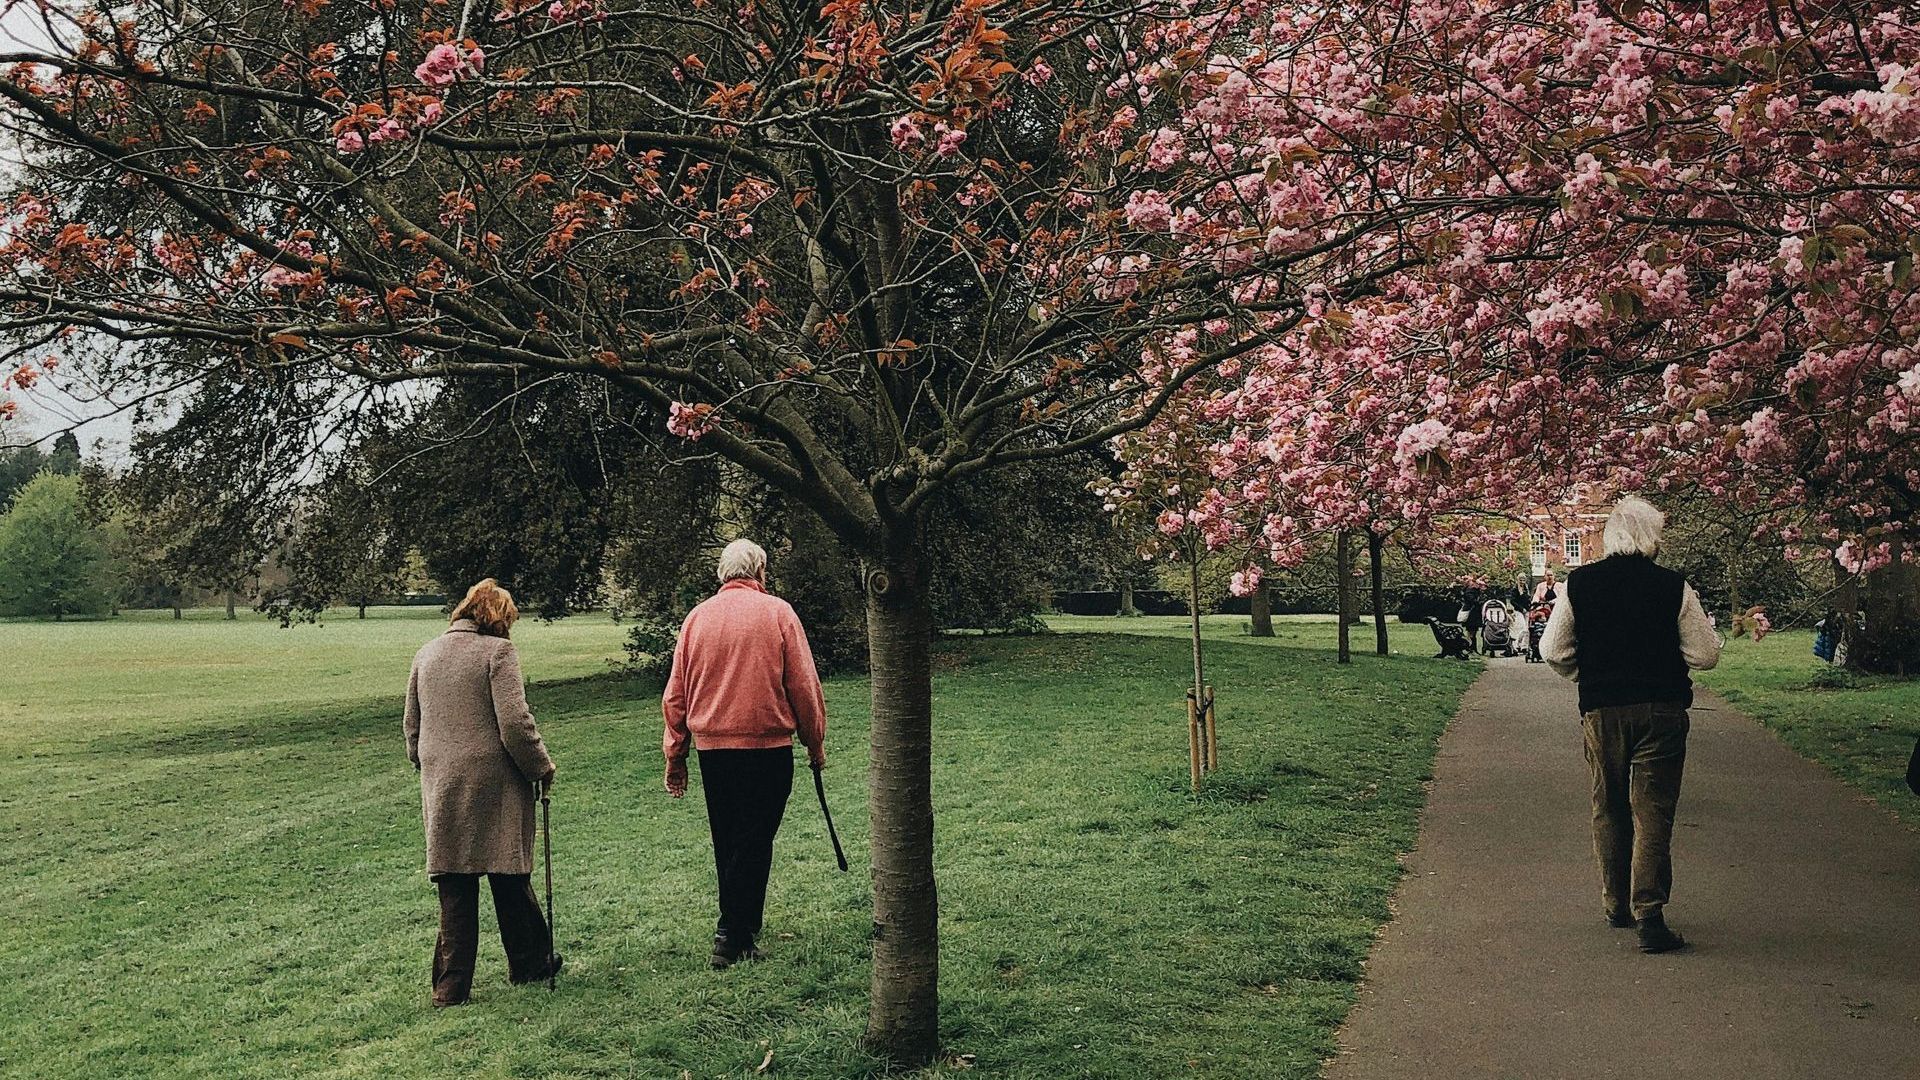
x=677, y=777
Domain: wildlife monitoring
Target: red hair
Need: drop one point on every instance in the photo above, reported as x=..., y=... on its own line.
x=490, y=607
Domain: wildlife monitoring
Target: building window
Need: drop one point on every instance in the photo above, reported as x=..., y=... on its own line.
x=1539, y=552
x=1571, y=548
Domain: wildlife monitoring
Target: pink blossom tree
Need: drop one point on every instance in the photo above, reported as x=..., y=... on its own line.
x=1671, y=237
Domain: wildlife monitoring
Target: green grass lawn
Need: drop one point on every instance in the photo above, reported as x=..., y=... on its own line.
x=1304, y=631
x=1861, y=727
x=215, y=847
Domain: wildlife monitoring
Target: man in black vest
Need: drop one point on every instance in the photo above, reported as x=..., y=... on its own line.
x=1628, y=631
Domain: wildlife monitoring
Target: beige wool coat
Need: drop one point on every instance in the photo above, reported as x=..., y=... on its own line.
x=472, y=737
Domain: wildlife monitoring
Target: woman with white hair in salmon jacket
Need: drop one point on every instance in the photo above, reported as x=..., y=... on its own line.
x=742, y=689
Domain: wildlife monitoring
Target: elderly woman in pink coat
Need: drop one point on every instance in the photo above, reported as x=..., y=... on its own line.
x=482, y=764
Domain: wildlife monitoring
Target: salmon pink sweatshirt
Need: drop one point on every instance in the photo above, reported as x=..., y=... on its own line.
x=743, y=677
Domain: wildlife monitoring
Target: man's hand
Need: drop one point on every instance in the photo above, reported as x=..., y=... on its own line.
x=817, y=759
x=677, y=777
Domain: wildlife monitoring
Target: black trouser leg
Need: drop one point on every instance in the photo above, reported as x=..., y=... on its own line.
x=746, y=793
x=523, y=929
x=459, y=938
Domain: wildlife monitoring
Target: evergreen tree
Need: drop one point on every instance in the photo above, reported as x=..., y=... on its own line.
x=17, y=466
x=65, y=458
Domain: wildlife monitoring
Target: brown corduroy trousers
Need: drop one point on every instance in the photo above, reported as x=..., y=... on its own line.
x=1636, y=754
x=523, y=931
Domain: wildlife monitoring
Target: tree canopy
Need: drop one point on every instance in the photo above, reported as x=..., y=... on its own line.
x=53, y=561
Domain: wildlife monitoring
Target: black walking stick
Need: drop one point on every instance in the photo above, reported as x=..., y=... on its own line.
x=546, y=844
x=820, y=789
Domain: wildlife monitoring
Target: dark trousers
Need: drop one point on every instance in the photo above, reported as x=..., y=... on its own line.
x=1636, y=754
x=523, y=930
x=746, y=793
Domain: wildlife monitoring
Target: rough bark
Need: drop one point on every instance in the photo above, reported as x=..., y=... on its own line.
x=1126, y=599
x=231, y=613
x=1889, y=643
x=1376, y=556
x=903, y=1022
x=1343, y=587
x=1262, y=612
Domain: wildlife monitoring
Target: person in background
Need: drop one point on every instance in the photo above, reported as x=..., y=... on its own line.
x=1522, y=596
x=482, y=766
x=1547, y=591
x=1472, y=602
x=1627, y=631
x=742, y=689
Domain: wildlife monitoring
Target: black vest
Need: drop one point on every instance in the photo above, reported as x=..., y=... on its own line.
x=1626, y=626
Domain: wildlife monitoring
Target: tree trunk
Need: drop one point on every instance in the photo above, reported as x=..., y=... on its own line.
x=903, y=1019
x=1126, y=599
x=231, y=614
x=363, y=609
x=1343, y=588
x=1262, y=611
x=176, y=612
x=1846, y=601
x=1193, y=607
x=1889, y=644
x=1376, y=547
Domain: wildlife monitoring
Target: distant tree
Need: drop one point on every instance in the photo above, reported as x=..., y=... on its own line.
x=137, y=573
x=555, y=488
x=344, y=548
x=53, y=561
x=141, y=575
x=1735, y=558
x=65, y=458
x=17, y=466
x=1001, y=542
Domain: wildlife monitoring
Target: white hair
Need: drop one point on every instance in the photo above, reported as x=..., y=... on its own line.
x=742, y=559
x=1634, y=527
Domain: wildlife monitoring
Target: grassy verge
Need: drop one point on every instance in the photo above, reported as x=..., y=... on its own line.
x=1861, y=727
x=215, y=845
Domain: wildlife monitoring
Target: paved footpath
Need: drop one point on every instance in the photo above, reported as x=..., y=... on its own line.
x=1799, y=899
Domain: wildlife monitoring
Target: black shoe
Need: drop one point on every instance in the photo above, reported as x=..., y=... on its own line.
x=728, y=951
x=554, y=964
x=1622, y=921
x=1656, y=938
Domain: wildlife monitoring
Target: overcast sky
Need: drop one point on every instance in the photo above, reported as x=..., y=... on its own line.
x=57, y=403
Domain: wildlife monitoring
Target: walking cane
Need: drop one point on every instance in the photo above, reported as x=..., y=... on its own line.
x=546, y=844
x=820, y=789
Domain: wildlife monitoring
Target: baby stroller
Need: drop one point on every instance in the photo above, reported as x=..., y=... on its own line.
x=1496, y=628
x=1536, y=629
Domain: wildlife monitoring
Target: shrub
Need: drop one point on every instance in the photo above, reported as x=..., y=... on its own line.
x=650, y=644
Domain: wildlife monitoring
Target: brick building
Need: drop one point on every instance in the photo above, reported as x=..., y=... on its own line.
x=1568, y=533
